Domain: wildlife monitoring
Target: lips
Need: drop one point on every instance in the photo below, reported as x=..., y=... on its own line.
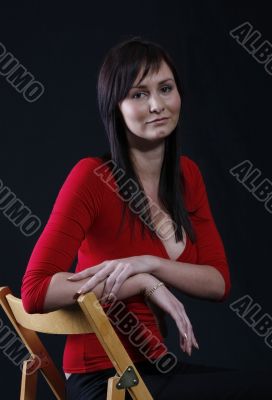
x=157, y=120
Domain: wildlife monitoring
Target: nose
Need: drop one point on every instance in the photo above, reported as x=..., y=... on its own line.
x=156, y=104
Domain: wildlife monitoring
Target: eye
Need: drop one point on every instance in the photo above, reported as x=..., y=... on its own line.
x=136, y=94
x=167, y=87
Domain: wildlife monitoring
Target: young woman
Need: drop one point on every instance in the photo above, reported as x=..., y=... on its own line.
x=139, y=221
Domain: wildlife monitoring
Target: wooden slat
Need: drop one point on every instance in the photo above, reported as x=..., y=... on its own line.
x=113, y=393
x=111, y=342
x=69, y=320
x=35, y=348
x=66, y=321
x=29, y=383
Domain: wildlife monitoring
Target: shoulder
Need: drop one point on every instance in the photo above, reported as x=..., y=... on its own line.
x=189, y=169
x=87, y=163
x=85, y=166
x=82, y=174
x=194, y=186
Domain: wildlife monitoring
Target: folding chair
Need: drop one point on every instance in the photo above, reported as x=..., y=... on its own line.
x=86, y=316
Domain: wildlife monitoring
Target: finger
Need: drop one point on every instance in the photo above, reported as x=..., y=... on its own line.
x=118, y=282
x=190, y=340
x=183, y=338
x=101, y=269
x=180, y=324
x=99, y=277
x=110, y=299
x=116, y=276
x=110, y=281
x=189, y=333
x=186, y=323
x=86, y=273
x=187, y=340
x=108, y=287
x=102, y=297
x=174, y=311
x=195, y=341
x=184, y=341
x=110, y=270
x=88, y=286
x=107, y=296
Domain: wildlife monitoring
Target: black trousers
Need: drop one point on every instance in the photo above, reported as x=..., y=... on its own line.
x=184, y=382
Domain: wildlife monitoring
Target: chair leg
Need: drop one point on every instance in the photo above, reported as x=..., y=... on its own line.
x=112, y=345
x=35, y=347
x=113, y=393
x=29, y=382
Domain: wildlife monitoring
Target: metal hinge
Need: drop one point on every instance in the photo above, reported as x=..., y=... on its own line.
x=127, y=379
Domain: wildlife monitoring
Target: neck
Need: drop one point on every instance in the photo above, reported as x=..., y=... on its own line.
x=147, y=162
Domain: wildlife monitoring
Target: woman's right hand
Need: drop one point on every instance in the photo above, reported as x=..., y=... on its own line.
x=163, y=298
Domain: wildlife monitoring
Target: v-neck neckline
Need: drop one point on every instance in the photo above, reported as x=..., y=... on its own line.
x=160, y=243
x=164, y=251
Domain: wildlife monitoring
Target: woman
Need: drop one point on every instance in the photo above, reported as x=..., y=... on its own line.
x=139, y=220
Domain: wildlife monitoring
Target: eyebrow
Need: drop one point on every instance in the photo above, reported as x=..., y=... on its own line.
x=144, y=86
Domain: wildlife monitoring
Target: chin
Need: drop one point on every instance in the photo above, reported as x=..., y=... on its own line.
x=164, y=132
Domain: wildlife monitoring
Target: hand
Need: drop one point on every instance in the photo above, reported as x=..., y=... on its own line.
x=159, y=315
x=163, y=298
x=115, y=272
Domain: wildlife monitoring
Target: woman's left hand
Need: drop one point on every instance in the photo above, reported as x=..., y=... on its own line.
x=115, y=272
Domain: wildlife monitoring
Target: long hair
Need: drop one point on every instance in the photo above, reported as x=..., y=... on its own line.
x=117, y=74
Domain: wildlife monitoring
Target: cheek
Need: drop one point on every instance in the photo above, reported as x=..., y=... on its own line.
x=132, y=113
x=176, y=104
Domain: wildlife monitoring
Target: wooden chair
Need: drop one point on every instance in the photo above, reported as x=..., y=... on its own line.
x=86, y=316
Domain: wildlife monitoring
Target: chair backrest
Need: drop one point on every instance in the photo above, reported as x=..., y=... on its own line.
x=69, y=320
x=86, y=316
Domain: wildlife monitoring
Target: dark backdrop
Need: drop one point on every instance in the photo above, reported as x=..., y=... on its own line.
x=226, y=119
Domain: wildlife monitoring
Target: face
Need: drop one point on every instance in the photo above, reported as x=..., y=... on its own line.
x=157, y=97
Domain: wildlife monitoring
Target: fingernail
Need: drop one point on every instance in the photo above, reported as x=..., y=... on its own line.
x=110, y=297
x=70, y=277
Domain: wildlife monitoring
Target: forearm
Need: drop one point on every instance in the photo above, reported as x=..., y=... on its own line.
x=196, y=280
x=61, y=292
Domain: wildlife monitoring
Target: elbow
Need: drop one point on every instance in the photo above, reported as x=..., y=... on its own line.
x=32, y=296
x=222, y=287
x=28, y=299
x=29, y=305
x=224, y=291
x=31, y=302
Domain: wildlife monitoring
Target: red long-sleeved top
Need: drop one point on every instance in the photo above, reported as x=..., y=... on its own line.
x=84, y=222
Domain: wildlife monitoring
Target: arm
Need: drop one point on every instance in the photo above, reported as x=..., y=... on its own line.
x=197, y=280
x=210, y=277
x=74, y=211
x=61, y=292
x=204, y=281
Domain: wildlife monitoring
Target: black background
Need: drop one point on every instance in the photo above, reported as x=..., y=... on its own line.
x=226, y=119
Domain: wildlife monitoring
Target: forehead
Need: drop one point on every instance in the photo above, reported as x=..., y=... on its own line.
x=163, y=73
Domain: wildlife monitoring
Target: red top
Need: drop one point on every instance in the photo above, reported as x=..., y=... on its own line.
x=84, y=222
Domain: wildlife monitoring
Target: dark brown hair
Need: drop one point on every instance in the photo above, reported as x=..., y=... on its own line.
x=117, y=74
